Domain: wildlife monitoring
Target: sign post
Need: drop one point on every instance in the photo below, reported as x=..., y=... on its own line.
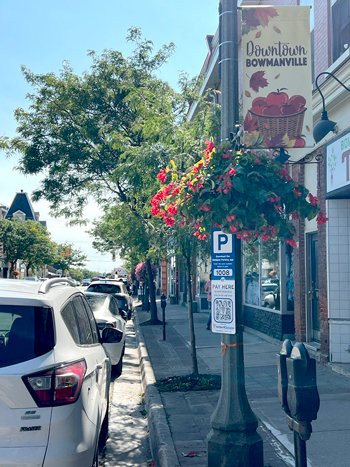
x=223, y=306
x=233, y=440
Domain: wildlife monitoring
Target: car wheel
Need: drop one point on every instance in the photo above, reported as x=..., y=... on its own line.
x=104, y=431
x=96, y=460
x=118, y=368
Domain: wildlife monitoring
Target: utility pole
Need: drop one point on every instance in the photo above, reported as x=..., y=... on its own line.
x=233, y=440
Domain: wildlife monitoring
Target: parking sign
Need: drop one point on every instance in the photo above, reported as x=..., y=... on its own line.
x=223, y=308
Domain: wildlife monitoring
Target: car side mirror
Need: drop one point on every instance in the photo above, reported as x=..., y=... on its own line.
x=111, y=335
x=123, y=314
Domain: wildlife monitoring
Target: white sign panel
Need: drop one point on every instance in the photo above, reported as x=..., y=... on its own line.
x=223, y=306
x=338, y=163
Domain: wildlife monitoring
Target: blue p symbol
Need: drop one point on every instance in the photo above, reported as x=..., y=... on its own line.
x=222, y=240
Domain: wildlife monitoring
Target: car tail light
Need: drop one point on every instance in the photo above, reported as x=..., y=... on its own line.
x=59, y=385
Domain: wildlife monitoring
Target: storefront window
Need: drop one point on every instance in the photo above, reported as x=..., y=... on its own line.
x=262, y=274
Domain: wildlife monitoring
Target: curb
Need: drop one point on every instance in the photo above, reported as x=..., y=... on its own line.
x=161, y=441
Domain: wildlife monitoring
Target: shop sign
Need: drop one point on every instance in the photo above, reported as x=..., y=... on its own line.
x=338, y=163
x=277, y=89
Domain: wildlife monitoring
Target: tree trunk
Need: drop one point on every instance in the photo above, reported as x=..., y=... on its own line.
x=152, y=294
x=190, y=312
x=12, y=269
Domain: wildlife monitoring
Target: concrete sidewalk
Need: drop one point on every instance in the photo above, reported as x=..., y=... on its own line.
x=179, y=422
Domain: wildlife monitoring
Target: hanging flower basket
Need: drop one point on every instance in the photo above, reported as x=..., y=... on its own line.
x=241, y=192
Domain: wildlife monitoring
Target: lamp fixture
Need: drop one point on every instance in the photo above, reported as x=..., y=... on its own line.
x=324, y=126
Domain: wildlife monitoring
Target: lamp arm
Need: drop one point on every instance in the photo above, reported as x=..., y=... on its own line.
x=328, y=73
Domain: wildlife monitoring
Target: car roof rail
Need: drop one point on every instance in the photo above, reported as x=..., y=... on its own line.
x=48, y=283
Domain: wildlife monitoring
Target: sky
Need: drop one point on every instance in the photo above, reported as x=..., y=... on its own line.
x=42, y=35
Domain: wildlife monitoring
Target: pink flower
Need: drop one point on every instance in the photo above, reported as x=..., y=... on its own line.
x=205, y=207
x=232, y=171
x=233, y=228
x=296, y=192
x=231, y=218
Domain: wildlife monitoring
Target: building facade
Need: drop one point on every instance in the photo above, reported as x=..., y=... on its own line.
x=304, y=293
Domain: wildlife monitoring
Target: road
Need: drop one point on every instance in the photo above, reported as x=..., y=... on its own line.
x=128, y=443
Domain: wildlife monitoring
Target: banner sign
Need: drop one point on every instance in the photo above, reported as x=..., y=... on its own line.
x=223, y=308
x=277, y=84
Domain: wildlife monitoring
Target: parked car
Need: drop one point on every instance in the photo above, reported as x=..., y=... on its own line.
x=86, y=281
x=107, y=313
x=54, y=375
x=112, y=286
x=123, y=304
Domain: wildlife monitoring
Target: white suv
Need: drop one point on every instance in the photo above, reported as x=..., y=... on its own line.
x=54, y=376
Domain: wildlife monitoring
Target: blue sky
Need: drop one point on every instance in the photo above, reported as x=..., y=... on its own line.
x=42, y=34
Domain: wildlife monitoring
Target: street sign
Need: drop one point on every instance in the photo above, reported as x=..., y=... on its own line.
x=223, y=308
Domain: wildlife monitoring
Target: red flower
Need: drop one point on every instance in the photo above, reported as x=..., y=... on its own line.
x=296, y=192
x=233, y=229
x=205, y=207
x=155, y=210
x=321, y=218
x=162, y=176
x=313, y=199
x=169, y=221
x=231, y=218
x=232, y=171
x=292, y=243
x=172, y=209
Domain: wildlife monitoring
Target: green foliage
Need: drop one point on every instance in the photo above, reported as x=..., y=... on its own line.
x=68, y=257
x=27, y=241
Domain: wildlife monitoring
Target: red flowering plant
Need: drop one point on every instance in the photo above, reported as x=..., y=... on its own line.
x=241, y=192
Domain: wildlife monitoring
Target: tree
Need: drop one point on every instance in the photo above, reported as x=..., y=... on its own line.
x=27, y=241
x=101, y=135
x=133, y=236
x=67, y=257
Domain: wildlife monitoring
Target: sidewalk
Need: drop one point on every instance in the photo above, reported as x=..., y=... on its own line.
x=180, y=421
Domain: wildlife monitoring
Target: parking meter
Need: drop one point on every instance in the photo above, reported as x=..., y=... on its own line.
x=302, y=395
x=163, y=301
x=163, y=305
x=282, y=376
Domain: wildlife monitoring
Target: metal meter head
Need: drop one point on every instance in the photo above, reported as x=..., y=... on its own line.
x=282, y=377
x=302, y=395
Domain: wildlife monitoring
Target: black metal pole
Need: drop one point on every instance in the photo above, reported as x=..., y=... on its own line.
x=163, y=317
x=233, y=440
x=299, y=451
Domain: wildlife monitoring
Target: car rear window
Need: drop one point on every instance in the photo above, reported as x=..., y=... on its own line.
x=26, y=332
x=104, y=288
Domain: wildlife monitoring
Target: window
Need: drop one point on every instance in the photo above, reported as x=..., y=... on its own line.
x=261, y=273
x=80, y=322
x=85, y=331
x=26, y=332
x=341, y=27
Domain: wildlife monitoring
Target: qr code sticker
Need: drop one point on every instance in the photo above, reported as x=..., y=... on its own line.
x=223, y=310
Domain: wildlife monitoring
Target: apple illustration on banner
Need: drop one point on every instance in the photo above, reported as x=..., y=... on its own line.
x=279, y=115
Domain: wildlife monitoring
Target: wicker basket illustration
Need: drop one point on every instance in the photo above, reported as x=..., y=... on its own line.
x=271, y=126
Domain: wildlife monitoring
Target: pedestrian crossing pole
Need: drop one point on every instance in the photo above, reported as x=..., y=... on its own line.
x=233, y=440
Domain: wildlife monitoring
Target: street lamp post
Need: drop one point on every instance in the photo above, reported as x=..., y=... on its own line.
x=233, y=440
